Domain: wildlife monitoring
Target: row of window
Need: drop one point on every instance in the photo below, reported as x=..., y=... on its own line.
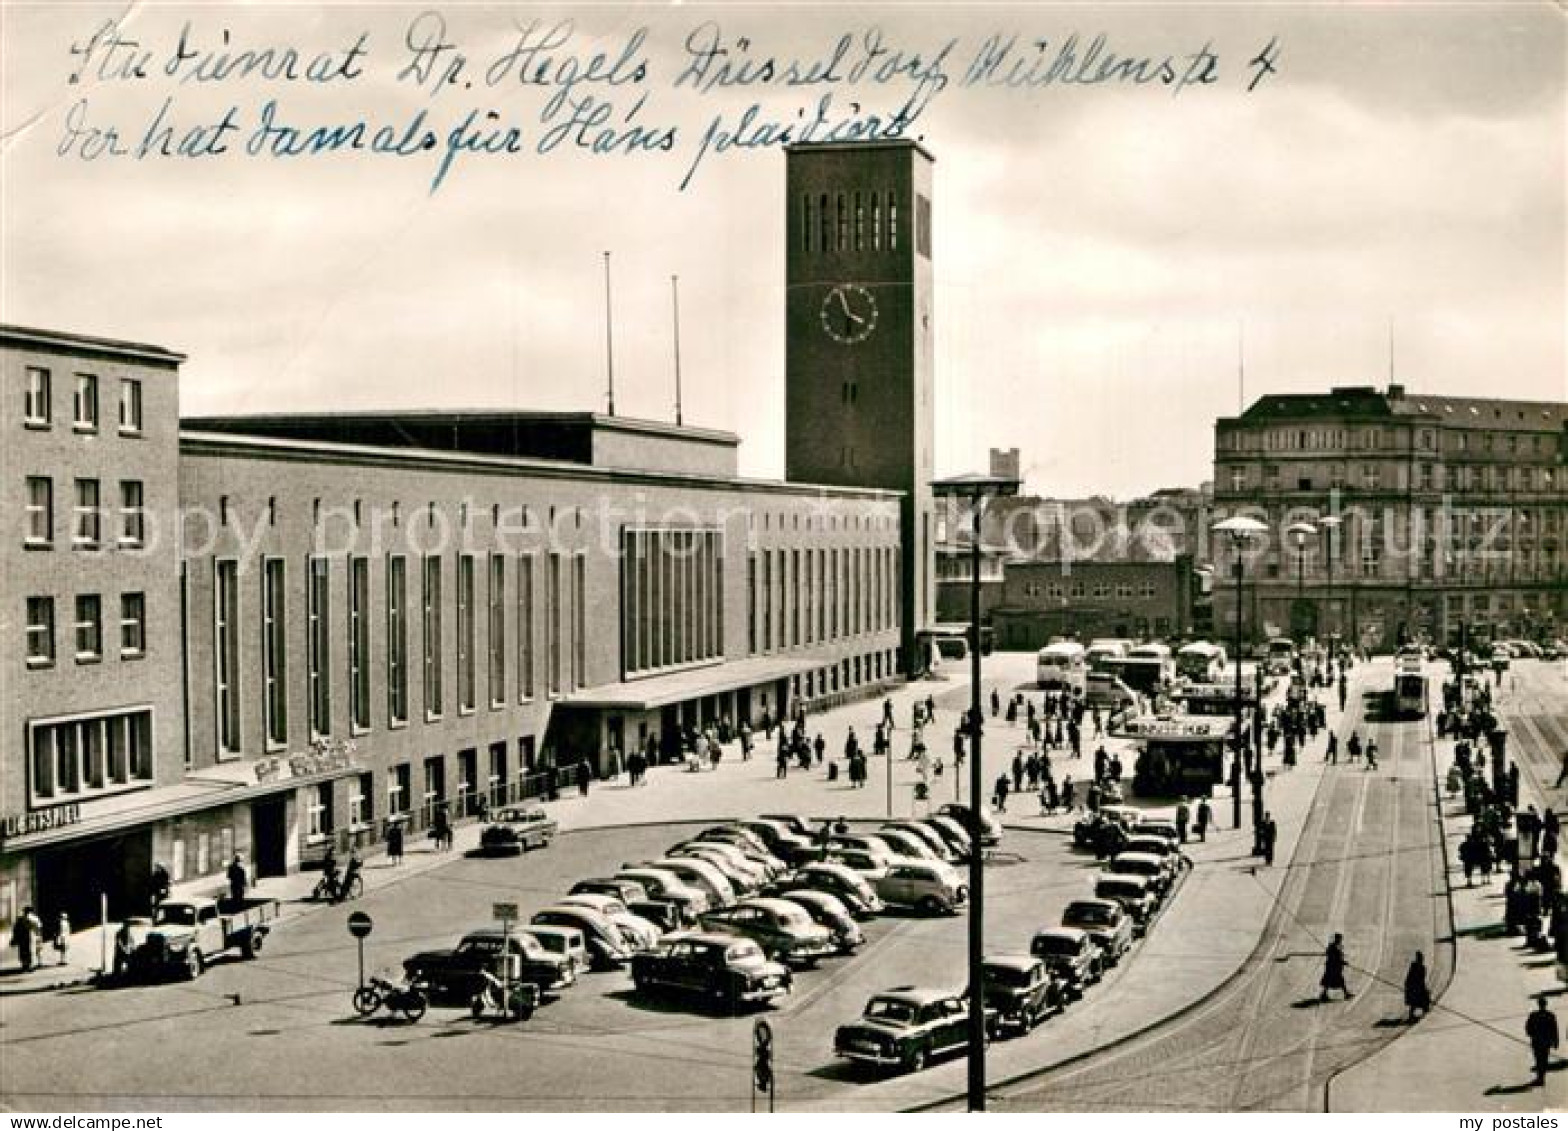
x=672, y=598
x=75, y=758
x=1427, y=477
x=38, y=402
x=87, y=513
x=1380, y=438
x=1077, y=588
x=565, y=657
x=88, y=629
x=849, y=222
x=819, y=595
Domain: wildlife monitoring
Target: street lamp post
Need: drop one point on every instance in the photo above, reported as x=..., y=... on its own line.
x=975, y=488
x=1328, y=524
x=1240, y=530
x=1300, y=532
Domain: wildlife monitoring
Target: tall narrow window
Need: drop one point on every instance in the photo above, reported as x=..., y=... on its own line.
x=274, y=652
x=580, y=620
x=133, y=626
x=496, y=630
x=751, y=603
x=525, y=627
x=226, y=653
x=86, y=403
x=318, y=646
x=805, y=222
x=40, y=632
x=40, y=511
x=841, y=229
x=133, y=521
x=767, y=600
x=130, y=406
x=860, y=222
x=876, y=223
x=359, y=643
x=823, y=220
x=892, y=221
x=397, y=639
x=430, y=633
x=465, y=632
x=36, y=409
x=553, y=625
x=87, y=531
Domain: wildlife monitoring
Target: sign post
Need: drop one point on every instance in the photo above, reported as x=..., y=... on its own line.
x=359, y=925
x=506, y=912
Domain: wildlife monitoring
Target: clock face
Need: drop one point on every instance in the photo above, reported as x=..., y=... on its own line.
x=849, y=314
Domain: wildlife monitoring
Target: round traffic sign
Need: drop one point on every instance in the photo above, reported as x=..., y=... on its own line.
x=359, y=924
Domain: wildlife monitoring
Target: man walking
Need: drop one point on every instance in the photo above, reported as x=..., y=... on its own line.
x=1334, y=970
x=239, y=879
x=1541, y=1028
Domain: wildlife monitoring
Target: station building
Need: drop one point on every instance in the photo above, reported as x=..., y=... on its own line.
x=272, y=633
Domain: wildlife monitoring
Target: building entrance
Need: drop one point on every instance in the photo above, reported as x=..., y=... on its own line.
x=269, y=828
x=76, y=877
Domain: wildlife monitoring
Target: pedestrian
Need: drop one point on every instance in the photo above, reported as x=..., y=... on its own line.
x=782, y=771
x=1268, y=833
x=1418, y=998
x=25, y=933
x=1331, y=754
x=1467, y=858
x=441, y=829
x=395, y=840
x=1371, y=753
x=124, y=946
x=583, y=776
x=820, y=746
x=1182, y=814
x=239, y=879
x=1541, y=1028
x=1000, y=797
x=887, y=713
x=1353, y=747
x=1334, y=969
x=1205, y=816
x=158, y=885
x=1018, y=772
x=62, y=938
x=1067, y=793
x=996, y=703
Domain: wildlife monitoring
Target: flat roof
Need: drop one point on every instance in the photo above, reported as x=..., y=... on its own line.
x=583, y=418
x=693, y=683
x=84, y=343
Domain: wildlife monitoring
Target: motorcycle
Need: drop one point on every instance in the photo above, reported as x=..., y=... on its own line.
x=520, y=999
x=335, y=889
x=407, y=998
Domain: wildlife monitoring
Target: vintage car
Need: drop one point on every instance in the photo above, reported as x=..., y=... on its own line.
x=952, y=832
x=1155, y=869
x=746, y=876
x=910, y=845
x=1101, y=834
x=925, y=885
x=698, y=874
x=744, y=839
x=791, y=821
x=990, y=827
x=869, y=866
x=1134, y=893
x=830, y=912
x=1022, y=990
x=783, y=929
x=640, y=933
x=458, y=973
x=608, y=947
x=667, y=886
x=1175, y=861
x=1104, y=921
x=940, y=849
x=788, y=845
x=835, y=879
x=186, y=934
x=562, y=942
x=517, y=829
x=1160, y=827
x=627, y=891
x=724, y=968
x=1073, y=957
x=906, y=1028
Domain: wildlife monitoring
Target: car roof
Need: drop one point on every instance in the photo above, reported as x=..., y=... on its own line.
x=1140, y=856
x=541, y=929
x=1112, y=880
x=710, y=938
x=1018, y=962
x=915, y=995
x=772, y=903
x=1104, y=904
x=1062, y=932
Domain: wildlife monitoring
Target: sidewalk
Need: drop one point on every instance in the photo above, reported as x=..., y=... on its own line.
x=1478, y=1024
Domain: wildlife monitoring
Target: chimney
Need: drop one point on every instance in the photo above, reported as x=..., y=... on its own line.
x=1396, y=392
x=1005, y=463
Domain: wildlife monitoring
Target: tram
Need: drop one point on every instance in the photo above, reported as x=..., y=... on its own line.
x=1179, y=755
x=1410, y=693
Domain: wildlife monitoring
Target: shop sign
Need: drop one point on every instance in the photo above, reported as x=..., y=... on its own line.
x=39, y=821
x=1197, y=729
x=325, y=758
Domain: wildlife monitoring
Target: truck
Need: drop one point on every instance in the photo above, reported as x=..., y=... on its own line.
x=185, y=934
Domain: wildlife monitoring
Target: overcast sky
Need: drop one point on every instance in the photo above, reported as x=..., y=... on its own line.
x=1100, y=250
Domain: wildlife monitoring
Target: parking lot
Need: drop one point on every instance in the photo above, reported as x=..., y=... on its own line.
x=254, y=1034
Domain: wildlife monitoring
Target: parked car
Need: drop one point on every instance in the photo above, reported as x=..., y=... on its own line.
x=666, y=915
x=725, y=969
x=835, y=879
x=186, y=934
x=990, y=827
x=517, y=828
x=862, y=842
x=869, y=866
x=926, y=835
x=1100, y=833
x=1160, y=827
x=562, y=942
x=911, y=846
x=1071, y=955
x=701, y=875
x=1106, y=922
x=607, y=945
x=1022, y=990
x=830, y=912
x=791, y=821
x=1152, y=868
x=955, y=834
x=627, y=891
x=755, y=872
x=1157, y=846
x=925, y=885
x=789, y=846
x=783, y=929
x=667, y=886
x=640, y=933
x=737, y=834
x=906, y=1028
x=1135, y=895
x=458, y=972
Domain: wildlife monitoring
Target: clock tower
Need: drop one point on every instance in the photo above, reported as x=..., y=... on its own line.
x=858, y=343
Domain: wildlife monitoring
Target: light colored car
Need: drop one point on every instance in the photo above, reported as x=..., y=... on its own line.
x=639, y=932
x=563, y=942
x=662, y=884
x=607, y=944
x=784, y=930
x=931, y=887
x=1152, y=868
x=953, y=833
x=830, y=912
x=928, y=836
x=836, y=879
x=699, y=874
x=910, y=844
x=1106, y=922
x=746, y=874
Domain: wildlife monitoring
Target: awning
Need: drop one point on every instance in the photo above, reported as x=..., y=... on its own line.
x=694, y=683
x=223, y=784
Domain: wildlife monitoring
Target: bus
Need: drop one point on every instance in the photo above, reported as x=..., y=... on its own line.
x=1178, y=755
x=1106, y=648
x=1200, y=661
x=1155, y=652
x=1062, y=665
